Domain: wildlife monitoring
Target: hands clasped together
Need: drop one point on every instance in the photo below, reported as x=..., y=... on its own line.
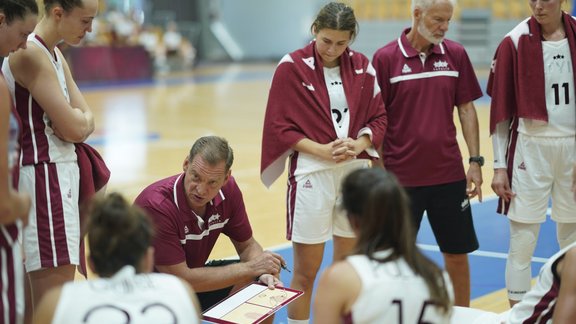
x=344, y=149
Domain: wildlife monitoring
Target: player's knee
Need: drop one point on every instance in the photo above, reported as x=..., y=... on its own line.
x=305, y=278
x=522, y=244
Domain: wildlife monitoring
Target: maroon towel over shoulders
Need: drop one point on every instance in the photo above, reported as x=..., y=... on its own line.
x=299, y=106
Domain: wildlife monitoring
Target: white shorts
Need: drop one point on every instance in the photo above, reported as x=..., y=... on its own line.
x=52, y=237
x=316, y=214
x=543, y=170
x=12, y=284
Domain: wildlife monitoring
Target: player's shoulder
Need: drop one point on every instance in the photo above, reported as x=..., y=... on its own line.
x=32, y=57
x=342, y=274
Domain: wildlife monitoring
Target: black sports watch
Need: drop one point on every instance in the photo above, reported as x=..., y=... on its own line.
x=478, y=159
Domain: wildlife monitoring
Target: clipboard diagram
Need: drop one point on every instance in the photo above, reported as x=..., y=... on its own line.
x=250, y=305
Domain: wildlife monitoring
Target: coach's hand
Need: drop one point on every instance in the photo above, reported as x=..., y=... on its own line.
x=474, y=181
x=270, y=281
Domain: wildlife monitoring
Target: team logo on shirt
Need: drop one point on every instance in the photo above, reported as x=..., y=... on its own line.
x=214, y=219
x=406, y=69
x=441, y=66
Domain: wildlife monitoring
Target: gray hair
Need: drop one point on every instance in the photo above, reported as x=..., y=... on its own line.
x=213, y=149
x=425, y=4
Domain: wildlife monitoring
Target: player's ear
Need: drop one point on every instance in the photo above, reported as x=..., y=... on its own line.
x=57, y=11
x=417, y=14
x=185, y=164
x=228, y=174
x=2, y=18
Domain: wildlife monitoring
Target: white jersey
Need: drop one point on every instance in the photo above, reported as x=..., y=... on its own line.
x=537, y=306
x=392, y=293
x=39, y=142
x=338, y=103
x=560, y=100
x=126, y=297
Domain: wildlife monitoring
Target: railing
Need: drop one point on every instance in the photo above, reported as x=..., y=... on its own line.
x=400, y=9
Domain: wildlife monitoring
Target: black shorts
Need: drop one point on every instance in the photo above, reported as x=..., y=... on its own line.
x=449, y=213
x=208, y=299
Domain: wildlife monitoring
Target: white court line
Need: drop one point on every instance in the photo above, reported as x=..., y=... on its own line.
x=435, y=248
x=496, y=255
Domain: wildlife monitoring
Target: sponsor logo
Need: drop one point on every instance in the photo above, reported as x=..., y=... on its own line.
x=309, y=86
x=307, y=184
x=522, y=166
x=186, y=230
x=309, y=61
x=465, y=204
x=406, y=69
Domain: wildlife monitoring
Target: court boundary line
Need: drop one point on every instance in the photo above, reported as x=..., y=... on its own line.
x=435, y=248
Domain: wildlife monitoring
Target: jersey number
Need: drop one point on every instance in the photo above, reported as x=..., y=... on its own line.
x=421, y=320
x=113, y=311
x=556, y=88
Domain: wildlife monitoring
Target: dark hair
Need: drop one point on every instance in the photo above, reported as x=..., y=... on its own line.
x=213, y=149
x=337, y=16
x=67, y=5
x=18, y=9
x=119, y=234
x=379, y=209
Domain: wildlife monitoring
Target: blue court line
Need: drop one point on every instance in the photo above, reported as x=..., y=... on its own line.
x=487, y=265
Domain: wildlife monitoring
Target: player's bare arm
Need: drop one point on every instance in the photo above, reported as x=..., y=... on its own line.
x=34, y=71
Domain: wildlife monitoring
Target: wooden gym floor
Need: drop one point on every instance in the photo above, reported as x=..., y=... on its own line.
x=144, y=131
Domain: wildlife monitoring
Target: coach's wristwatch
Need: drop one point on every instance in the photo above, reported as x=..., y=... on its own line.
x=477, y=159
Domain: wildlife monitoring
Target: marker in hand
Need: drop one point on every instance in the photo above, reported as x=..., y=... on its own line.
x=285, y=268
